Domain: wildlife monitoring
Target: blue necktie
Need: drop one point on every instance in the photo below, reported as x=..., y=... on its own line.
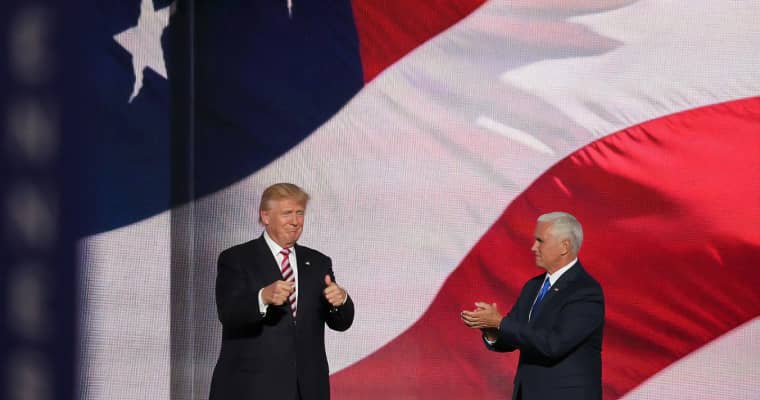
x=541, y=294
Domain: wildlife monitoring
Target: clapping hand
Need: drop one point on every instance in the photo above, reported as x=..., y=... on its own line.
x=484, y=316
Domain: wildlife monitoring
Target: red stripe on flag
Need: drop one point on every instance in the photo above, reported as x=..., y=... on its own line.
x=670, y=210
x=390, y=29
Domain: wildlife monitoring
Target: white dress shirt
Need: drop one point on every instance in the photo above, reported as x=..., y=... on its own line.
x=276, y=249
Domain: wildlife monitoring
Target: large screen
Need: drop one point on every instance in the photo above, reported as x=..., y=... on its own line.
x=430, y=136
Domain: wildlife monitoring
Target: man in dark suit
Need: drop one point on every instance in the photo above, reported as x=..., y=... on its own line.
x=274, y=298
x=556, y=323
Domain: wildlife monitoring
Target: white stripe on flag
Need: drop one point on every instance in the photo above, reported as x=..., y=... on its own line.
x=726, y=368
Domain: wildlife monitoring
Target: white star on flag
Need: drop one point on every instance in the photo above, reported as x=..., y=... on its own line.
x=143, y=41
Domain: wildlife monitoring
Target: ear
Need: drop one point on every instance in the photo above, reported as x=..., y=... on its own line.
x=264, y=215
x=566, y=246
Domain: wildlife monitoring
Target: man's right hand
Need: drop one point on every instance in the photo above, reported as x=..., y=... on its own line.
x=277, y=292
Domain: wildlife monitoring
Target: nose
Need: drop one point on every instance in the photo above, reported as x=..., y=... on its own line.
x=294, y=220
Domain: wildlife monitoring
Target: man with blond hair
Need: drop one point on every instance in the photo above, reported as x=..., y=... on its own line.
x=274, y=298
x=556, y=323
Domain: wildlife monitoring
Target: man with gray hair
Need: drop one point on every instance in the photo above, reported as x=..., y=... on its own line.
x=556, y=323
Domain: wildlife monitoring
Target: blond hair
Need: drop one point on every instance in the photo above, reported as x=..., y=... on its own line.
x=280, y=191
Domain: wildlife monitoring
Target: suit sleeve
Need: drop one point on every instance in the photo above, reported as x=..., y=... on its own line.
x=580, y=316
x=236, y=302
x=339, y=318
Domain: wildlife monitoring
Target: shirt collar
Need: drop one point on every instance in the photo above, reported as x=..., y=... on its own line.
x=555, y=276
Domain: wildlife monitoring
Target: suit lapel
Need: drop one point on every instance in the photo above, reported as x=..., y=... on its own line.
x=306, y=278
x=270, y=271
x=561, y=285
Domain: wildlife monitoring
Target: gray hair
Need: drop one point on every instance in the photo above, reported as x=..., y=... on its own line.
x=565, y=226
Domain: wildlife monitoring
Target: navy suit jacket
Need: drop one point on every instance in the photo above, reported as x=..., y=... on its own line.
x=561, y=345
x=272, y=356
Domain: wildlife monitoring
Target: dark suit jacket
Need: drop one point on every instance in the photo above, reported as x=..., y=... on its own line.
x=271, y=356
x=561, y=346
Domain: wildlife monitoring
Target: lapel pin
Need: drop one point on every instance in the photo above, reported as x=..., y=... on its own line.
x=555, y=289
x=307, y=263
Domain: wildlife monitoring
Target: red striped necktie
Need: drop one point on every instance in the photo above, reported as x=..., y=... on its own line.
x=289, y=276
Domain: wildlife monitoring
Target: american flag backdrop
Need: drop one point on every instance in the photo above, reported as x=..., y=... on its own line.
x=430, y=135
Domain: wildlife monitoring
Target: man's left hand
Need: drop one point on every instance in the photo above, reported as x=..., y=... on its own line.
x=484, y=316
x=334, y=294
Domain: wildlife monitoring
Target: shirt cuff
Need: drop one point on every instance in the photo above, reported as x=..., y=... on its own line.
x=262, y=307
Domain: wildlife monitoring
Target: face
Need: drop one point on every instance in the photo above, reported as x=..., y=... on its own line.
x=549, y=251
x=284, y=221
